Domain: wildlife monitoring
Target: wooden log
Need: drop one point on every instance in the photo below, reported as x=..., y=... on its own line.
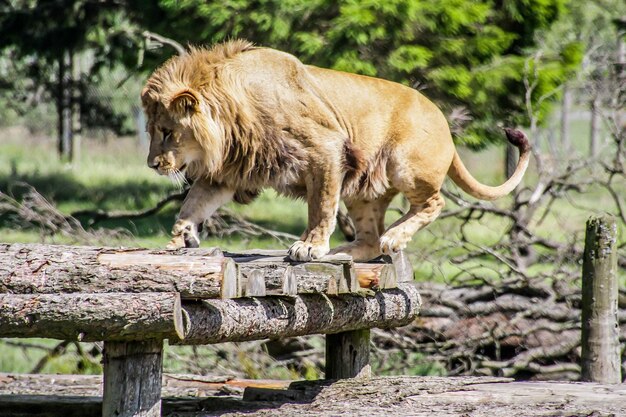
x=92, y=317
x=132, y=375
x=236, y=320
x=52, y=269
x=333, y=274
x=330, y=275
x=348, y=355
x=601, y=350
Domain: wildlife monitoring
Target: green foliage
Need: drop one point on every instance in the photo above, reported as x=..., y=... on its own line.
x=37, y=36
x=470, y=54
x=461, y=53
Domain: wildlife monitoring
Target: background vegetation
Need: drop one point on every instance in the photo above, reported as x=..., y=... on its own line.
x=72, y=140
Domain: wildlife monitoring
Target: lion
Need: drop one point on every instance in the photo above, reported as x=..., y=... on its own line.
x=238, y=118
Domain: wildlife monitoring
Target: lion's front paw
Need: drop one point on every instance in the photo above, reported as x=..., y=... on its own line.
x=306, y=251
x=185, y=235
x=177, y=242
x=391, y=244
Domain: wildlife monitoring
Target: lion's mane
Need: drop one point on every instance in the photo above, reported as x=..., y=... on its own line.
x=241, y=144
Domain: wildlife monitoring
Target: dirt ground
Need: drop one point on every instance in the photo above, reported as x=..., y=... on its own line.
x=193, y=396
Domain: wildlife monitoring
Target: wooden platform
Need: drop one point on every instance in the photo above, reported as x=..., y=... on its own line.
x=133, y=299
x=197, y=396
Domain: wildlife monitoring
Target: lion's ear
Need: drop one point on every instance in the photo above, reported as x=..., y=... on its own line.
x=185, y=102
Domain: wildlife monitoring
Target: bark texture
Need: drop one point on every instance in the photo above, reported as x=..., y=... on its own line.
x=601, y=350
x=51, y=269
x=236, y=320
x=92, y=317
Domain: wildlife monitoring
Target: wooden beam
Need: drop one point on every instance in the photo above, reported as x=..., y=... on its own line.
x=601, y=350
x=52, y=269
x=235, y=320
x=92, y=317
x=348, y=355
x=132, y=375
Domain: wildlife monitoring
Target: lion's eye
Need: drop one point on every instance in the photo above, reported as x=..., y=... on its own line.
x=167, y=134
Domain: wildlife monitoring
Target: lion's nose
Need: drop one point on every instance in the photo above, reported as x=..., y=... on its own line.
x=154, y=163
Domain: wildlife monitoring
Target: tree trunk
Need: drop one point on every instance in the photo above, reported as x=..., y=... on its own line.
x=594, y=130
x=92, y=317
x=60, y=103
x=237, y=320
x=601, y=350
x=566, y=107
x=75, y=97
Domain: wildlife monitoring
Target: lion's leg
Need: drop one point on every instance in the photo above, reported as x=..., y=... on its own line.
x=323, y=188
x=203, y=200
x=425, y=207
x=369, y=220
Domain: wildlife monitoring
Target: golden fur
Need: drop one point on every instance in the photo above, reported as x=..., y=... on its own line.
x=237, y=118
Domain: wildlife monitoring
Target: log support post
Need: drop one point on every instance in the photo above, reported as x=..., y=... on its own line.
x=132, y=379
x=601, y=357
x=348, y=354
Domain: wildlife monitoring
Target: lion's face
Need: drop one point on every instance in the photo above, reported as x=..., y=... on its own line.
x=173, y=146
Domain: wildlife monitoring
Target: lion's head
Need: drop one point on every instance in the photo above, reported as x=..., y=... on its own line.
x=182, y=138
x=204, y=121
x=183, y=100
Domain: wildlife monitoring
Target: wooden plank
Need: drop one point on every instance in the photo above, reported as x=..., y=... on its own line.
x=92, y=317
x=348, y=354
x=235, y=320
x=53, y=269
x=601, y=349
x=132, y=374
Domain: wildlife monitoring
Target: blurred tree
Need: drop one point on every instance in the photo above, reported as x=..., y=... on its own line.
x=61, y=47
x=470, y=56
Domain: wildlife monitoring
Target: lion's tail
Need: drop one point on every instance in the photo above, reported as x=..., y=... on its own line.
x=462, y=177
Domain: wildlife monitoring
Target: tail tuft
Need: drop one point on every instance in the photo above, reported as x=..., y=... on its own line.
x=517, y=138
